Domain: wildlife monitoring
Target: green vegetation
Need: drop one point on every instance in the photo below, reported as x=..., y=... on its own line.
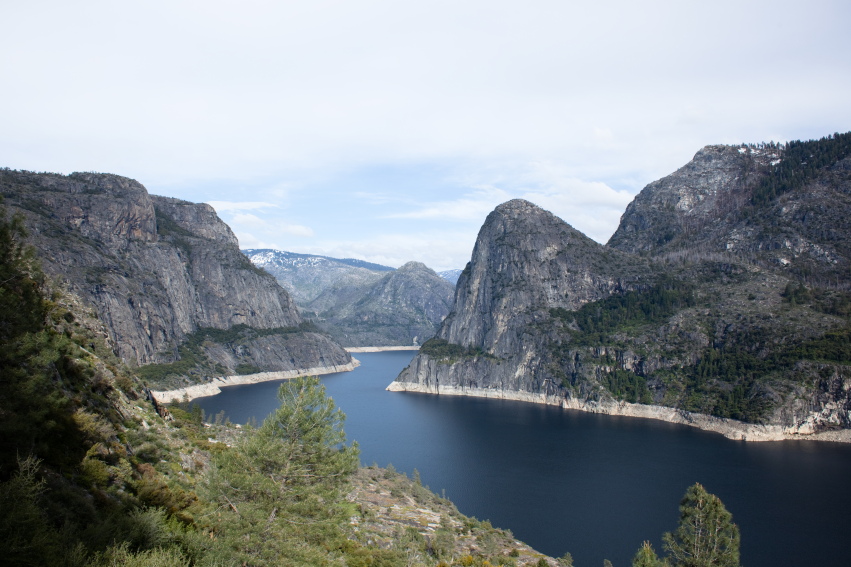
x=280, y=490
x=727, y=378
x=705, y=537
x=620, y=312
x=194, y=362
x=444, y=351
x=725, y=381
x=627, y=386
x=828, y=301
x=800, y=163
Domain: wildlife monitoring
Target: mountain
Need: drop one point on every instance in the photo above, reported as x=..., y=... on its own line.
x=166, y=277
x=360, y=303
x=450, y=275
x=403, y=307
x=723, y=300
x=306, y=276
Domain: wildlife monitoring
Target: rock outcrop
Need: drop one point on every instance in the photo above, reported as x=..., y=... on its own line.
x=526, y=261
x=724, y=294
x=157, y=270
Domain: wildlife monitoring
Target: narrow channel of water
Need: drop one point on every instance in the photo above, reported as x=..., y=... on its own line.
x=594, y=485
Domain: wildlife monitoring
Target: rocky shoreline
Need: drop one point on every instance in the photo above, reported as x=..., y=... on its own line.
x=729, y=428
x=214, y=387
x=380, y=348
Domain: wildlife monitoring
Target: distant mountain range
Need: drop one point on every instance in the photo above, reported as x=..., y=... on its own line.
x=450, y=275
x=361, y=303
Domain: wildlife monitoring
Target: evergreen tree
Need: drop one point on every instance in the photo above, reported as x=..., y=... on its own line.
x=646, y=557
x=706, y=535
x=35, y=418
x=282, y=486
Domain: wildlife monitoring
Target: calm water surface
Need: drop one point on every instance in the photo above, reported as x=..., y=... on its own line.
x=596, y=486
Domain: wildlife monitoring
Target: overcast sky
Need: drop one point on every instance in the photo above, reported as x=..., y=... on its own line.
x=388, y=130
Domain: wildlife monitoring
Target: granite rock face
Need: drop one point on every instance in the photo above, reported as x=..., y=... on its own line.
x=526, y=261
x=685, y=202
x=154, y=269
x=710, y=299
x=706, y=206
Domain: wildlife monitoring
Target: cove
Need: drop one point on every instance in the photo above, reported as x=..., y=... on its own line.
x=593, y=485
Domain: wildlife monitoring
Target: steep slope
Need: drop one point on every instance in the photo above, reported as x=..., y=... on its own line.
x=160, y=272
x=404, y=307
x=306, y=276
x=779, y=206
x=525, y=262
x=724, y=293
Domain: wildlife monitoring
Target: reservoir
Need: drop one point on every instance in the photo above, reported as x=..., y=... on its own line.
x=593, y=485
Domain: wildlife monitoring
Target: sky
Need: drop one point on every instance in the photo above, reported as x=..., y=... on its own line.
x=388, y=130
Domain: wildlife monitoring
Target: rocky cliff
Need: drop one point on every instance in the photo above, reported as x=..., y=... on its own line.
x=160, y=272
x=724, y=292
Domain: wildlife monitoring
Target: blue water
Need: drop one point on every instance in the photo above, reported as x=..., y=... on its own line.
x=596, y=486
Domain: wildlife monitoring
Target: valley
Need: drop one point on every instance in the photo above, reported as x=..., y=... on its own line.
x=721, y=302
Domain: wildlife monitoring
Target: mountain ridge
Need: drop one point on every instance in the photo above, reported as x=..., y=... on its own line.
x=162, y=274
x=668, y=314
x=358, y=306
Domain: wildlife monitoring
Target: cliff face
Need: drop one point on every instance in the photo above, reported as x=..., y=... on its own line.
x=154, y=269
x=708, y=205
x=724, y=292
x=689, y=200
x=526, y=261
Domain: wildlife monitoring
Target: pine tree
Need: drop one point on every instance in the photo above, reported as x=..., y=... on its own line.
x=283, y=484
x=646, y=557
x=706, y=535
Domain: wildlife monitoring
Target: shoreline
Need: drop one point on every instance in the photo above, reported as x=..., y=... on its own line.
x=379, y=348
x=214, y=386
x=729, y=428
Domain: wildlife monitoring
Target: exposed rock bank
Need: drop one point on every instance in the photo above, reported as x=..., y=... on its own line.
x=214, y=387
x=380, y=348
x=729, y=428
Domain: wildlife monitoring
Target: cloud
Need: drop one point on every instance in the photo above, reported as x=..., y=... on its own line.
x=439, y=250
x=227, y=206
x=473, y=206
x=295, y=230
x=590, y=206
x=281, y=103
x=246, y=219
